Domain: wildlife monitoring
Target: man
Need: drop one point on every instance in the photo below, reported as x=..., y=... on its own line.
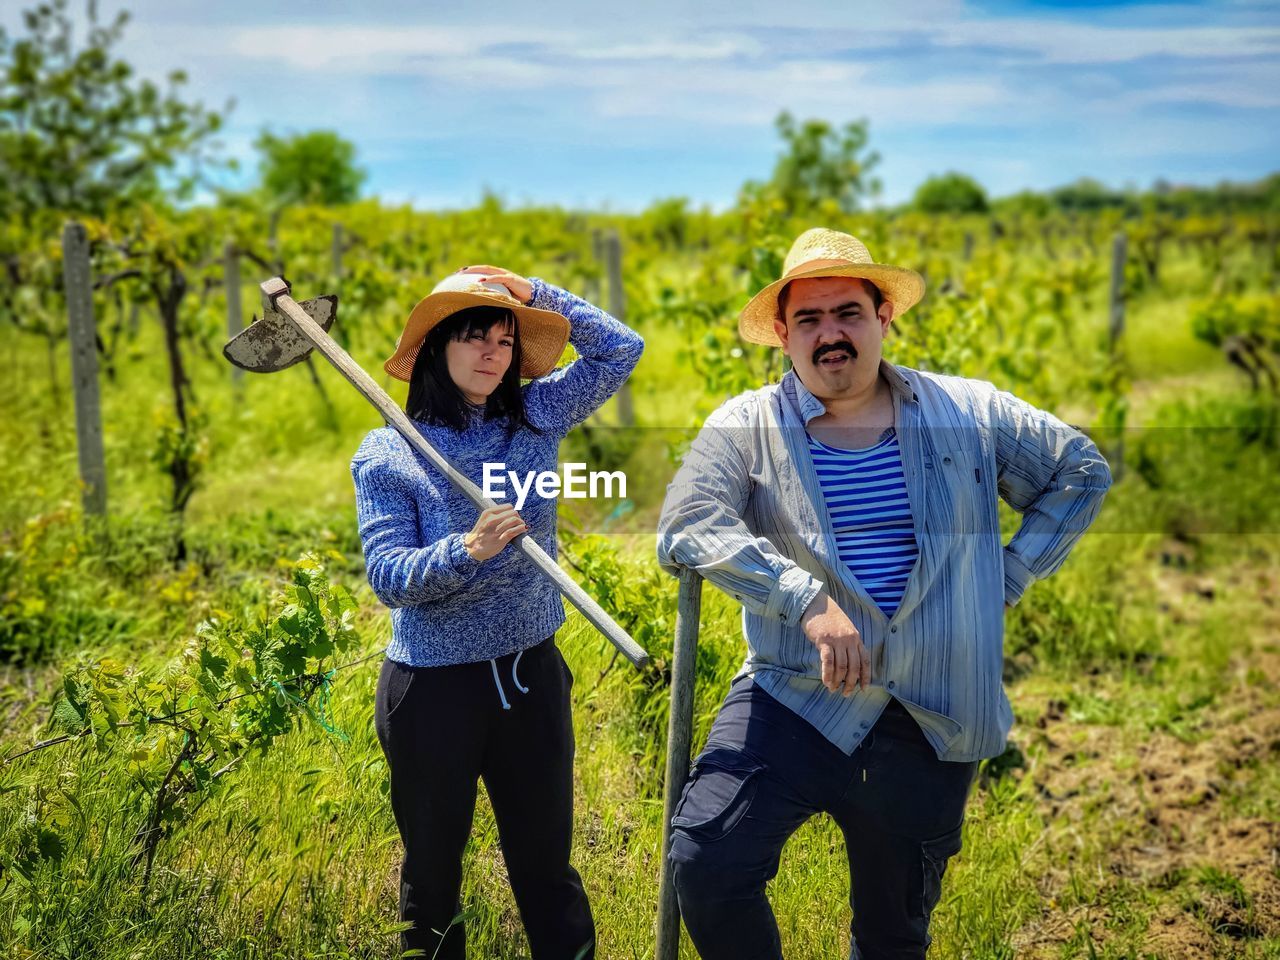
x=852, y=510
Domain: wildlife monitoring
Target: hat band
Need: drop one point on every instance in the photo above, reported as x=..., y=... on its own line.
x=823, y=265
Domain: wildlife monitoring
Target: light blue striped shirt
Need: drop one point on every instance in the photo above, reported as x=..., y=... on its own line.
x=745, y=511
x=866, y=498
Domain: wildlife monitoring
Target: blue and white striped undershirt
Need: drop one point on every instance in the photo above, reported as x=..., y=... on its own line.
x=866, y=495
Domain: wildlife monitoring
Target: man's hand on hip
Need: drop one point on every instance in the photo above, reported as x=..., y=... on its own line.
x=845, y=661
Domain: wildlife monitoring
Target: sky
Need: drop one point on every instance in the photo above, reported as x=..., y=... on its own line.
x=615, y=105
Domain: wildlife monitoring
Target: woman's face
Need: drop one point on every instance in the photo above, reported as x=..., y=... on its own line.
x=478, y=361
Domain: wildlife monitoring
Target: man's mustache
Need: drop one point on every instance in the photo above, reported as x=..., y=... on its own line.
x=826, y=348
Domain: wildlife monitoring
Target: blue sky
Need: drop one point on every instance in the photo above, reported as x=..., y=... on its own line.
x=609, y=104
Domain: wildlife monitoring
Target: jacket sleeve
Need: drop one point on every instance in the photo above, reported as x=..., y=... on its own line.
x=1054, y=476
x=701, y=528
x=608, y=351
x=402, y=570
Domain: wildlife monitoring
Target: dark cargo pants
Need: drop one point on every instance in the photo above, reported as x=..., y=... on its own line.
x=764, y=772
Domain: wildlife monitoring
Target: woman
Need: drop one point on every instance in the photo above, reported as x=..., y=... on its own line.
x=473, y=685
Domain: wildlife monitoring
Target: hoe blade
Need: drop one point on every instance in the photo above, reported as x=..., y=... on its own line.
x=273, y=343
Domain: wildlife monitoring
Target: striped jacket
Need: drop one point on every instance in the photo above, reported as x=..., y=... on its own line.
x=745, y=511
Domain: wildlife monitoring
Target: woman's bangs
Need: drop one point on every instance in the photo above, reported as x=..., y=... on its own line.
x=481, y=319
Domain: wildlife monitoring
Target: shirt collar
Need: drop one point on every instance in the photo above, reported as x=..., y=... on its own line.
x=810, y=406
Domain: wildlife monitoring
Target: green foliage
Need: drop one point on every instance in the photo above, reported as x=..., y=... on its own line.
x=669, y=222
x=1215, y=319
x=45, y=604
x=78, y=132
x=181, y=451
x=1024, y=203
x=1088, y=195
x=317, y=167
x=235, y=688
x=292, y=851
x=822, y=169
x=950, y=193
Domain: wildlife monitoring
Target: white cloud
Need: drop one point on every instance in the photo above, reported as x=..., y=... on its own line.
x=1064, y=42
x=722, y=48
x=682, y=80
x=361, y=49
x=753, y=97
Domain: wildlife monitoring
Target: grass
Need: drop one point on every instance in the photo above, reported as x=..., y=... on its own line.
x=1130, y=817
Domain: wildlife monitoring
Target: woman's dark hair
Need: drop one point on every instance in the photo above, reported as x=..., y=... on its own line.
x=435, y=398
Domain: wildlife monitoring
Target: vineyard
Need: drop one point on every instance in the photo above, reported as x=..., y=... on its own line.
x=188, y=650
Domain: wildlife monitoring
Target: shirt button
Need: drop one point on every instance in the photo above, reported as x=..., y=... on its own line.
x=946, y=459
x=894, y=628
x=890, y=684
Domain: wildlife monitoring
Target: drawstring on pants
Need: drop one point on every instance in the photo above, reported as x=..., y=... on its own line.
x=514, y=678
x=502, y=695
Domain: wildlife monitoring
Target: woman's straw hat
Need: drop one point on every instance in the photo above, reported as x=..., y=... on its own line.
x=543, y=333
x=827, y=253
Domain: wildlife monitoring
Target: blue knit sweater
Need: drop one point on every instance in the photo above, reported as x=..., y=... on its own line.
x=446, y=607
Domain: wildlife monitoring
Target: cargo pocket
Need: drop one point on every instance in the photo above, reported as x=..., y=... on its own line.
x=933, y=864
x=717, y=795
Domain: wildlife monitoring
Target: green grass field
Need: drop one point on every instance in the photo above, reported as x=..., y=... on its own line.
x=1134, y=815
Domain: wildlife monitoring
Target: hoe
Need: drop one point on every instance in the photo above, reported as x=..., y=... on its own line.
x=288, y=331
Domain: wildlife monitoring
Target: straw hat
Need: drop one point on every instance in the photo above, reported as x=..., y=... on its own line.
x=827, y=253
x=543, y=333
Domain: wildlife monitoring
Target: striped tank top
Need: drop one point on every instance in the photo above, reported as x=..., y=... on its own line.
x=866, y=495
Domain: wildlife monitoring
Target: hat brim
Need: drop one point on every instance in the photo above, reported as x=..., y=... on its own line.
x=543, y=333
x=901, y=287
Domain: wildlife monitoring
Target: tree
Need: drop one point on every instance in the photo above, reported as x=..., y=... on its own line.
x=315, y=167
x=951, y=192
x=821, y=164
x=79, y=133
x=1087, y=195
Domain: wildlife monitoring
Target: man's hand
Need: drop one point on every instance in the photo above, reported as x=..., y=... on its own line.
x=845, y=661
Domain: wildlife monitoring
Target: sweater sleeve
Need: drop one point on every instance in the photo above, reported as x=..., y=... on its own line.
x=402, y=570
x=608, y=351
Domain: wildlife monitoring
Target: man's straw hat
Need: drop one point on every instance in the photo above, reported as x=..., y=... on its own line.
x=543, y=333
x=827, y=253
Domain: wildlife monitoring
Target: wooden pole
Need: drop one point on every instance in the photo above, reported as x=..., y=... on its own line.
x=618, y=307
x=593, y=291
x=235, y=319
x=679, y=747
x=77, y=280
x=265, y=355
x=1119, y=257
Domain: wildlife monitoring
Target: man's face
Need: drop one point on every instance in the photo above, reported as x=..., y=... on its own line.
x=833, y=334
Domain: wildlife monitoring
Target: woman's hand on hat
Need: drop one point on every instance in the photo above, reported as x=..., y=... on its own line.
x=495, y=528
x=520, y=288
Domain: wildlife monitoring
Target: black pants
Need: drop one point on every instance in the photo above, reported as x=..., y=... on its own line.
x=764, y=772
x=444, y=728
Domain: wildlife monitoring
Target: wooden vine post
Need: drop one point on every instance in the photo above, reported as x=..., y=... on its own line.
x=618, y=307
x=679, y=747
x=235, y=319
x=81, y=332
x=1119, y=257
